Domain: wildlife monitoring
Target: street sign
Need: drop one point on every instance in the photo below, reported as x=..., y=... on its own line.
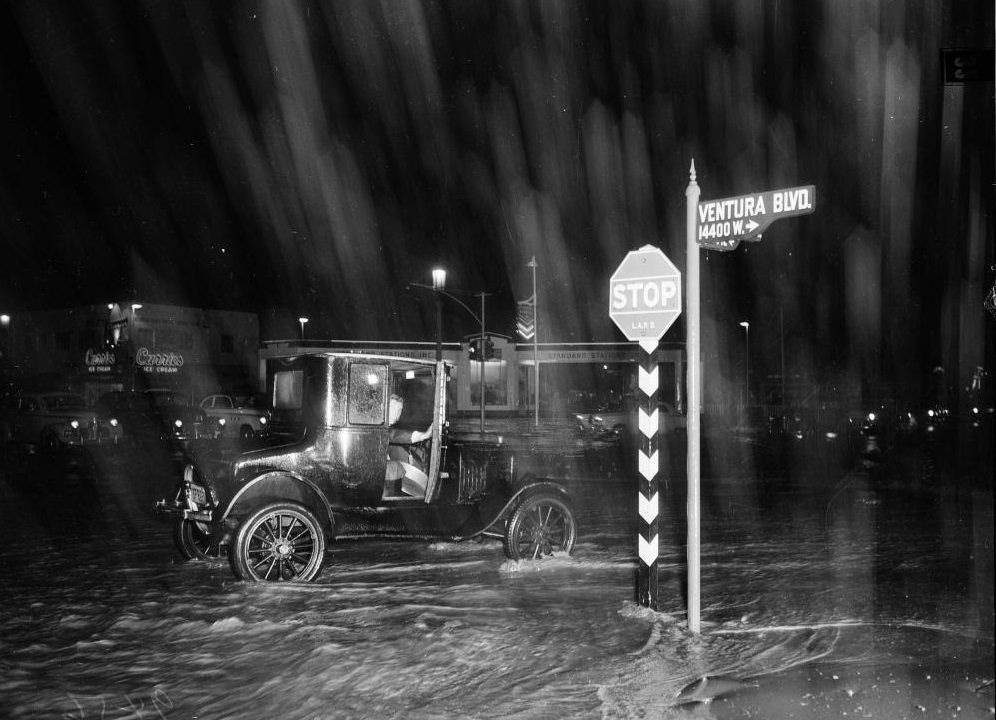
x=645, y=295
x=722, y=224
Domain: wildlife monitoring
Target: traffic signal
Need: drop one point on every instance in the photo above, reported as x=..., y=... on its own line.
x=474, y=351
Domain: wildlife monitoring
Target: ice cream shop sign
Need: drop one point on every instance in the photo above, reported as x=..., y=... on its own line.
x=158, y=362
x=99, y=361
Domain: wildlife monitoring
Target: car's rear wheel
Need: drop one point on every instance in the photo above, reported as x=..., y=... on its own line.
x=542, y=524
x=280, y=542
x=193, y=539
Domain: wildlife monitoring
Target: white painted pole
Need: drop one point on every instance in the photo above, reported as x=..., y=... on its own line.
x=536, y=388
x=693, y=374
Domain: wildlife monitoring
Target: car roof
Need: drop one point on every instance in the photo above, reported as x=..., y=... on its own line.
x=393, y=359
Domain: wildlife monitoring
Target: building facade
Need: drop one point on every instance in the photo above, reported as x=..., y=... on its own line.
x=94, y=349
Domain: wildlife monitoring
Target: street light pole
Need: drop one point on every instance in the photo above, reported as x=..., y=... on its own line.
x=302, y=320
x=480, y=319
x=483, y=353
x=536, y=389
x=746, y=326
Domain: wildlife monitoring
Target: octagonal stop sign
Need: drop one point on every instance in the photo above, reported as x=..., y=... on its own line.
x=645, y=295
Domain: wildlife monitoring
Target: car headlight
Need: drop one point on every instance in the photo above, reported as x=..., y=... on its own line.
x=74, y=424
x=222, y=421
x=114, y=422
x=178, y=423
x=262, y=420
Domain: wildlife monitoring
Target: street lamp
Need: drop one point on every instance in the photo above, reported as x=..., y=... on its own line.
x=302, y=320
x=746, y=326
x=5, y=324
x=439, y=287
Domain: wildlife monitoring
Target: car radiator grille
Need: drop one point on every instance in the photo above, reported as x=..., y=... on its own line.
x=476, y=467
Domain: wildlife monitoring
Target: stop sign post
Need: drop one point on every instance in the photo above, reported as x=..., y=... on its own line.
x=644, y=301
x=645, y=296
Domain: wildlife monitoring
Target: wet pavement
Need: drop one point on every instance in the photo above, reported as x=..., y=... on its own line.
x=831, y=587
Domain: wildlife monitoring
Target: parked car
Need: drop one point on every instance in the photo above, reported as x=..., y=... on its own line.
x=625, y=420
x=51, y=420
x=274, y=510
x=233, y=416
x=157, y=415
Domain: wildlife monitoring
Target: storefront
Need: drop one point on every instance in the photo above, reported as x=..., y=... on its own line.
x=137, y=346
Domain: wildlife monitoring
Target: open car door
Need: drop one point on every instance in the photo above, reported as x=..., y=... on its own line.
x=438, y=421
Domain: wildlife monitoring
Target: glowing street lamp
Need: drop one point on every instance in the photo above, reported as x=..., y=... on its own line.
x=302, y=320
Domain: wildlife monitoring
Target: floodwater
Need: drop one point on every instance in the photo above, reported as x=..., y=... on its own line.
x=856, y=592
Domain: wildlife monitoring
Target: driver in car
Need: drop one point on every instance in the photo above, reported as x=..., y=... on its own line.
x=402, y=465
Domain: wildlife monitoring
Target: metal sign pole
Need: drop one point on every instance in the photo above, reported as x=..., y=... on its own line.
x=694, y=411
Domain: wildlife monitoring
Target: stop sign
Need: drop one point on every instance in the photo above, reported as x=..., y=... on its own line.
x=645, y=295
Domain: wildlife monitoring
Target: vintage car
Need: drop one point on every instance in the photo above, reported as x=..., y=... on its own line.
x=274, y=510
x=51, y=420
x=235, y=418
x=153, y=415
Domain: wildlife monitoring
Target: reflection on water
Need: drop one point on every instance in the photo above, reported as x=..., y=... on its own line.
x=102, y=619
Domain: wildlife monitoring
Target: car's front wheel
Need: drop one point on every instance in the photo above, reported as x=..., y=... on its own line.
x=193, y=540
x=542, y=524
x=280, y=542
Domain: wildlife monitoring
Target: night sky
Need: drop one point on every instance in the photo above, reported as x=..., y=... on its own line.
x=314, y=158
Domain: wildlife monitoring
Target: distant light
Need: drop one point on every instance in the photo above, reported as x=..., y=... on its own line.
x=930, y=413
x=110, y=306
x=745, y=325
x=74, y=424
x=302, y=320
x=871, y=416
x=178, y=423
x=136, y=306
x=5, y=319
x=438, y=279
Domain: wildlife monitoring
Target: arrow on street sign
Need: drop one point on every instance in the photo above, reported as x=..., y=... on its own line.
x=722, y=224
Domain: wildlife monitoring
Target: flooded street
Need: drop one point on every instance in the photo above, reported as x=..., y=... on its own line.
x=867, y=591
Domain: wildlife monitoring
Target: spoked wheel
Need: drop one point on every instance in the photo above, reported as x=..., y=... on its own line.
x=281, y=542
x=542, y=524
x=193, y=539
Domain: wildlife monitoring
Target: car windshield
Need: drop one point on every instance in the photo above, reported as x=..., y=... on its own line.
x=63, y=402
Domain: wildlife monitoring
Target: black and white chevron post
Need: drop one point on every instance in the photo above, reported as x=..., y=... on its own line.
x=644, y=301
x=649, y=460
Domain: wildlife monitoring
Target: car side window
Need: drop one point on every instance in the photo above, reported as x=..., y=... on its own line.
x=223, y=403
x=367, y=394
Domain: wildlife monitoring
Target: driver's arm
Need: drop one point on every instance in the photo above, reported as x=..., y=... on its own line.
x=420, y=435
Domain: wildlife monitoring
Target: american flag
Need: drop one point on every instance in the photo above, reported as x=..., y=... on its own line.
x=525, y=317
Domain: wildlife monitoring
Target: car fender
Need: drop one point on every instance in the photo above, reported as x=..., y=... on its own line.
x=528, y=487
x=283, y=486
